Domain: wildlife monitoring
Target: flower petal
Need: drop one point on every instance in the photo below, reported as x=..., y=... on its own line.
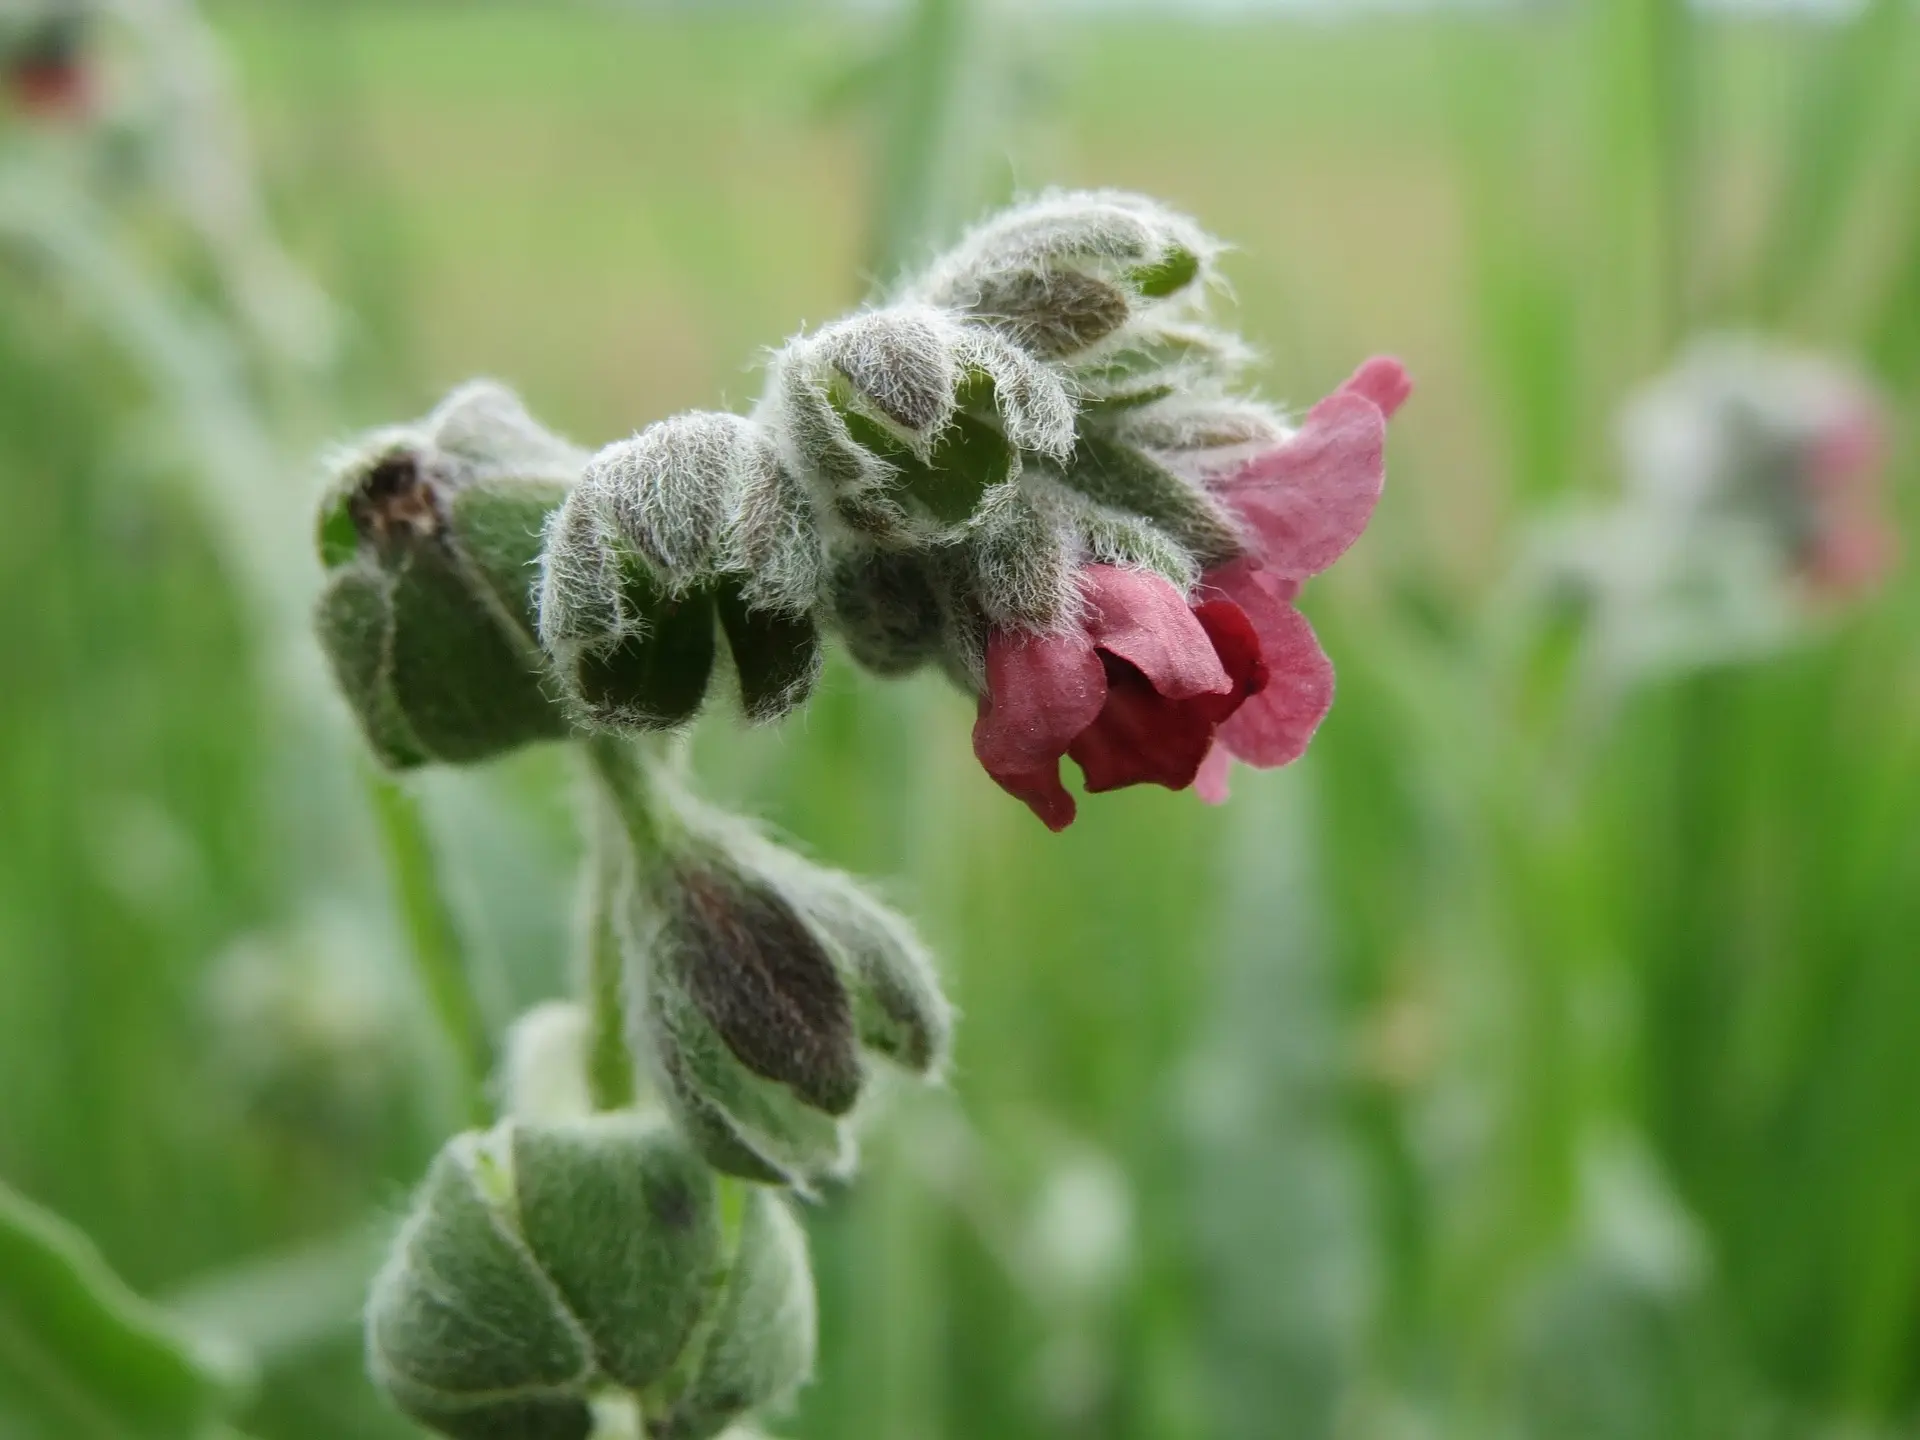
x=1142, y=737
x=1042, y=691
x=1274, y=727
x=1211, y=783
x=1383, y=380
x=1143, y=620
x=1308, y=500
x=1237, y=644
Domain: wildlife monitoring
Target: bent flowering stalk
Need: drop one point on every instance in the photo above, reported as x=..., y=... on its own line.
x=1035, y=467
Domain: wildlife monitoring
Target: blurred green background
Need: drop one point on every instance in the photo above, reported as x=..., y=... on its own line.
x=1498, y=1070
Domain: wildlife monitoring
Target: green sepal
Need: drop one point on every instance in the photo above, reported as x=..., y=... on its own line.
x=624, y=1220
x=470, y=684
x=336, y=536
x=776, y=653
x=762, y=1345
x=744, y=1124
x=733, y=943
x=656, y=678
x=499, y=526
x=1119, y=476
x=1169, y=275
x=354, y=619
x=83, y=1341
x=520, y=1417
x=967, y=460
x=887, y=609
x=898, y=1008
x=461, y=1310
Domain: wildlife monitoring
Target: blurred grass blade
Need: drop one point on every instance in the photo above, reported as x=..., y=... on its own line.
x=1844, y=99
x=83, y=1350
x=433, y=936
x=289, y=1302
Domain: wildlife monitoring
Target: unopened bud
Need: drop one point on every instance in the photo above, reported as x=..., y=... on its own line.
x=911, y=422
x=886, y=606
x=1064, y=273
x=426, y=615
x=691, y=521
x=764, y=1335
x=1023, y=568
x=1126, y=478
x=762, y=979
x=545, y=1265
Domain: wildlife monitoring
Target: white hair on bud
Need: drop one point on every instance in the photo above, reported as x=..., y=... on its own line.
x=1162, y=358
x=579, y=590
x=1023, y=568
x=901, y=364
x=1034, y=405
x=1112, y=233
x=846, y=481
x=485, y=424
x=1110, y=536
x=670, y=491
x=771, y=537
x=1200, y=435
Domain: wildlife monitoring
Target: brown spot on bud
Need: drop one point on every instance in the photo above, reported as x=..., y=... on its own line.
x=397, y=504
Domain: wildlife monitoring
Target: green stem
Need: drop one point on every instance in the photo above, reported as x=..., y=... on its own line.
x=630, y=789
x=629, y=823
x=609, y=1064
x=433, y=937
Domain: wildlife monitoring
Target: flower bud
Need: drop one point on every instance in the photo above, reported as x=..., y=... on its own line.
x=1068, y=271
x=910, y=423
x=761, y=979
x=426, y=616
x=690, y=522
x=1126, y=478
x=886, y=606
x=543, y=1265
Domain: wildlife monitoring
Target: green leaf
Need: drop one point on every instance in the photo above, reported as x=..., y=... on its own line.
x=80, y=1347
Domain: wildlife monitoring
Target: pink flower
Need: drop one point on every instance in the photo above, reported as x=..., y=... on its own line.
x=1149, y=688
x=1134, y=693
x=1303, y=504
x=1852, y=544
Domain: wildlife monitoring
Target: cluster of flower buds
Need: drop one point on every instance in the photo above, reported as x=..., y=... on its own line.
x=552, y=1271
x=43, y=50
x=1031, y=468
x=1753, y=493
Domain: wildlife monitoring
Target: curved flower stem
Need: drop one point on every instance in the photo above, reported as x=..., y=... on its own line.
x=434, y=945
x=609, y=1065
x=627, y=821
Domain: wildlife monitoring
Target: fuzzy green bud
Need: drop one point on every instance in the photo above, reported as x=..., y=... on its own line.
x=1072, y=273
x=691, y=523
x=910, y=423
x=886, y=606
x=544, y=1267
x=430, y=535
x=762, y=983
